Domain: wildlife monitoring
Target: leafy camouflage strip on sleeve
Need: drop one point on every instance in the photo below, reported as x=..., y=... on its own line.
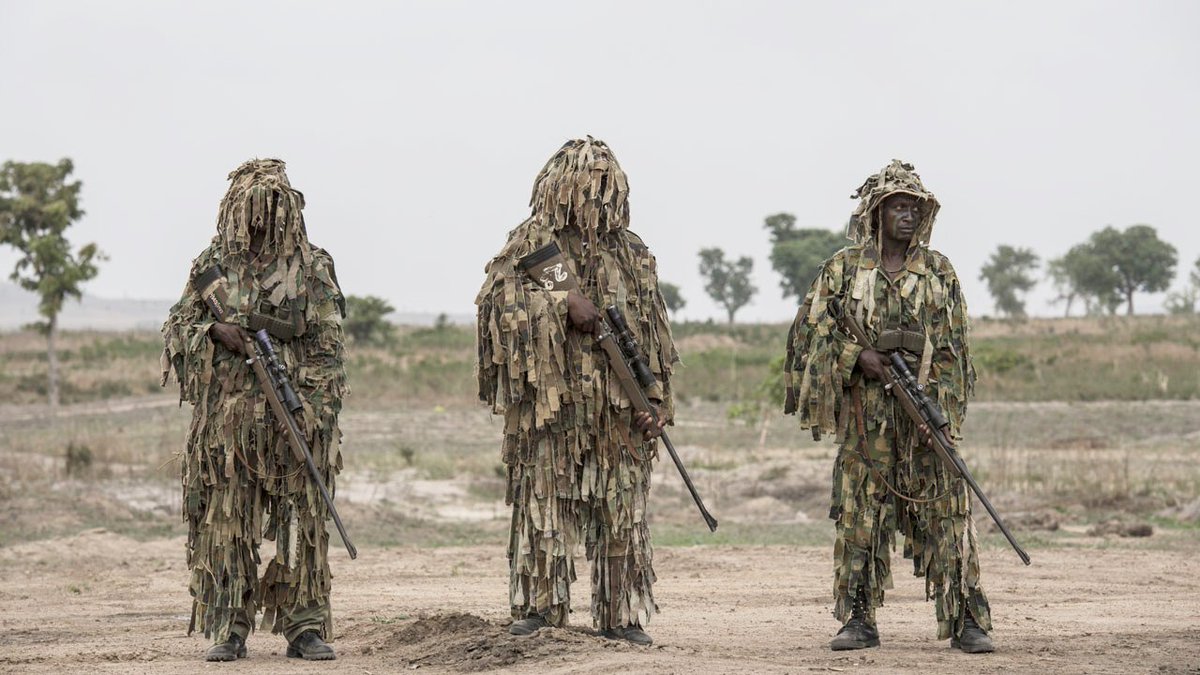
x=238, y=475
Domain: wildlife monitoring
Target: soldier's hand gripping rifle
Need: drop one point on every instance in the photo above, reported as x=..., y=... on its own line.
x=922, y=410
x=273, y=379
x=548, y=268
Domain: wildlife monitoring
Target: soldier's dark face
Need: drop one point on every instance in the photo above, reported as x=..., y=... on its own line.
x=901, y=215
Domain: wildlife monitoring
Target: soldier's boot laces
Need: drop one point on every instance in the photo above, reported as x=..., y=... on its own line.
x=633, y=634
x=857, y=633
x=230, y=650
x=310, y=647
x=529, y=625
x=974, y=640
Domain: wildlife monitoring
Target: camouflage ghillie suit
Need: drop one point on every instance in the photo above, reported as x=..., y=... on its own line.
x=576, y=465
x=241, y=482
x=921, y=310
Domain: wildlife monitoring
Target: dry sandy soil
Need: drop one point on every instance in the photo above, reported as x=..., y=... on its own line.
x=100, y=602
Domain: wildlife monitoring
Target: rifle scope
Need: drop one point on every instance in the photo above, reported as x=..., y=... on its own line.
x=932, y=413
x=279, y=377
x=629, y=347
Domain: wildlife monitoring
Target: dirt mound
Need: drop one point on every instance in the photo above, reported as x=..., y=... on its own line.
x=1045, y=520
x=468, y=643
x=1184, y=513
x=1121, y=529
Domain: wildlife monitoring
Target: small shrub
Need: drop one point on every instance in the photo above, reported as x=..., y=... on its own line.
x=79, y=459
x=1000, y=360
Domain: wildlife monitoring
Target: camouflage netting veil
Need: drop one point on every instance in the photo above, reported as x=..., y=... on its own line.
x=236, y=467
x=896, y=177
x=573, y=465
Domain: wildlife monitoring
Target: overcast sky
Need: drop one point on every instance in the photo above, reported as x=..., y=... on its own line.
x=415, y=129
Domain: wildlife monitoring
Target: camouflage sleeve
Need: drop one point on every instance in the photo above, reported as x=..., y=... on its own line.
x=820, y=356
x=187, y=350
x=521, y=336
x=661, y=352
x=323, y=371
x=952, y=375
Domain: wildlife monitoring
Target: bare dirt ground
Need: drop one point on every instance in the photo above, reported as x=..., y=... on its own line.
x=101, y=602
x=424, y=501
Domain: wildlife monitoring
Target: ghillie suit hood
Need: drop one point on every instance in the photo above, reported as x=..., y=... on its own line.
x=582, y=186
x=896, y=178
x=260, y=196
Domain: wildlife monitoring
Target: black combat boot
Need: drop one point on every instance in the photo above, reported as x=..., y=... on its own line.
x=230, y=650
x=974, y=640
x=858, y=633
x=633, y=634
x=529, y=625
x=310, y=647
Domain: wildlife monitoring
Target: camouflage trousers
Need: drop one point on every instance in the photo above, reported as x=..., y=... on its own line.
x=939, y=533
x=226, y=528
x=555, y=505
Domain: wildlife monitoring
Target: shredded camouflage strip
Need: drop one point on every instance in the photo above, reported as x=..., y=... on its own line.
x=240, y=480
x=924, y=297
x=575, y=467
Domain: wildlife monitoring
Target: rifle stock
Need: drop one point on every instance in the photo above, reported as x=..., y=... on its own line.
x=921, y=410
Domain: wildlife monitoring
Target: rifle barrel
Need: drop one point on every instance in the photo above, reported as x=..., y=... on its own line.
x=963, y=471
x=687, y=480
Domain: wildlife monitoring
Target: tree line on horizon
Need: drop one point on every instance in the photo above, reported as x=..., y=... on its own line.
x=39, y=202
x=1102, y=273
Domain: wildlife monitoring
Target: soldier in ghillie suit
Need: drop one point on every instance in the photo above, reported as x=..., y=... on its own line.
x=578, y=457
x=886, y=477
x=241, y=482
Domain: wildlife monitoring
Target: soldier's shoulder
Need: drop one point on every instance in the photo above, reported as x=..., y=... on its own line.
x=323, y=269
x=321, y=256
x=518, y=238
x=939, y=263
x=845, y=256
x=635, y=242
x=210, y=256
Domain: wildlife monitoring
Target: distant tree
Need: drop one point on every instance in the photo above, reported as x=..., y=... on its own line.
x=1185, y=299
x=1064, y=287
x=672, y=296
x=1082, y=273
x=365, y=322
x=37, y=205
x=1138, y=259
x=727, y=282
x=1009, y=275
x=797, y=254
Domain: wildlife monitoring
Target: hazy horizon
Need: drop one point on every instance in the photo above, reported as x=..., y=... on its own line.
x=415, y=129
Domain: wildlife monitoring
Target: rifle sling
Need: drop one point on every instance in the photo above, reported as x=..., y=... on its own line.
x=859, y=447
